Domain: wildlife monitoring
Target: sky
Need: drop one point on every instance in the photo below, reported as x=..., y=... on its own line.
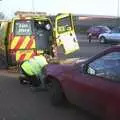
x=93, y=7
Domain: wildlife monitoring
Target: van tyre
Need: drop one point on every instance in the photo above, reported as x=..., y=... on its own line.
x=56, y=94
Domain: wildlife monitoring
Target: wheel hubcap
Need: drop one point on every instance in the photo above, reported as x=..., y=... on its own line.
x=102, y=40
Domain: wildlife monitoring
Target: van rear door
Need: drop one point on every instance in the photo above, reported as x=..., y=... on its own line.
x=22, y=44
x=65, y=33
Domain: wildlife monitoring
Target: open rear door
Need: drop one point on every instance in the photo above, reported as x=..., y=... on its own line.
x=65, y=33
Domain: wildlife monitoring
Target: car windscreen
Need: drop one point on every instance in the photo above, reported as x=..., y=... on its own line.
x=106, y=29
x=23, y=27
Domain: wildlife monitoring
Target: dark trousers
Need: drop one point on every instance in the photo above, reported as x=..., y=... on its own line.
x=89, y=37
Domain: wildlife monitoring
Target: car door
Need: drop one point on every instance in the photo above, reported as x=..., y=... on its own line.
x=93, y=89
x=104, y=74
x=115, y=35
x=65, y=33
x=96, y=31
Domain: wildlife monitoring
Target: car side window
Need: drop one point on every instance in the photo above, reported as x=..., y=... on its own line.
x=97, y=29
x=90, y=29
x=107, y=66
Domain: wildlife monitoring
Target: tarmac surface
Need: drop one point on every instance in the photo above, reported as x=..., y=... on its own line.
x=19, y=102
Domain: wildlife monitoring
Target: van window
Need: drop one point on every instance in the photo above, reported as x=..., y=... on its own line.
x=64, y=24
x=23, y=27
x=42, y=34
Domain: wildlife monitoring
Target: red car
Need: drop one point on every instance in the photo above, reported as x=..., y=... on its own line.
x=95, y=31
x=93, y=85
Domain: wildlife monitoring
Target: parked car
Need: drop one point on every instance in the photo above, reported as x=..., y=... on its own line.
x=93, y=84
x=95, y=31
x=110, y=37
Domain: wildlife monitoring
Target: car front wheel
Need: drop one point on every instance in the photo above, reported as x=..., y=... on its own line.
x=56, y=94
x=102, y=40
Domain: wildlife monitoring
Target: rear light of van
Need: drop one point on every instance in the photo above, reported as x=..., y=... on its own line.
x=11, y=36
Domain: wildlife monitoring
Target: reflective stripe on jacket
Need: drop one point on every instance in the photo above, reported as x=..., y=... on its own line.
x=34, y=65
x=27, y=68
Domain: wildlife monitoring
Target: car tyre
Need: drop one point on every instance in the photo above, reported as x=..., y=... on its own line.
x=102, y=40
x=56, y=94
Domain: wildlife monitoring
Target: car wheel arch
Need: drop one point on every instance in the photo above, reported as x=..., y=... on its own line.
x=102, y=38
x=49, y=79
x=59, y=96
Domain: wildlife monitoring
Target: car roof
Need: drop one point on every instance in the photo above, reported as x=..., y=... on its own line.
x=100, y=26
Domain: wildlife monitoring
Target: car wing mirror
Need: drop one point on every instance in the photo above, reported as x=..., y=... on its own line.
x=83, y=68
x=91, y=71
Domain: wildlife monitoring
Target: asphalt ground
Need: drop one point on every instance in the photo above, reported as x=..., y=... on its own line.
x=18, y=102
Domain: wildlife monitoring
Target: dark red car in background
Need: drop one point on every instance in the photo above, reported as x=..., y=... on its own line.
x=95, y=31
x=93, y=84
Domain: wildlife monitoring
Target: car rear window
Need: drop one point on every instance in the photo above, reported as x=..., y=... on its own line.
x=23, y=27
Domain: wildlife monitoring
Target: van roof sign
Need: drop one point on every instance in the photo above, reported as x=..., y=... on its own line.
x=28, y=14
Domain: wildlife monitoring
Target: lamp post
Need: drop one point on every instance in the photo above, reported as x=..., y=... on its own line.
x=118, y=12
x=2, y=16
x=33, y=8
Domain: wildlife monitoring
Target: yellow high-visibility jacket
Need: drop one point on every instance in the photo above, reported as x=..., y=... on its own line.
x=34, y=65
